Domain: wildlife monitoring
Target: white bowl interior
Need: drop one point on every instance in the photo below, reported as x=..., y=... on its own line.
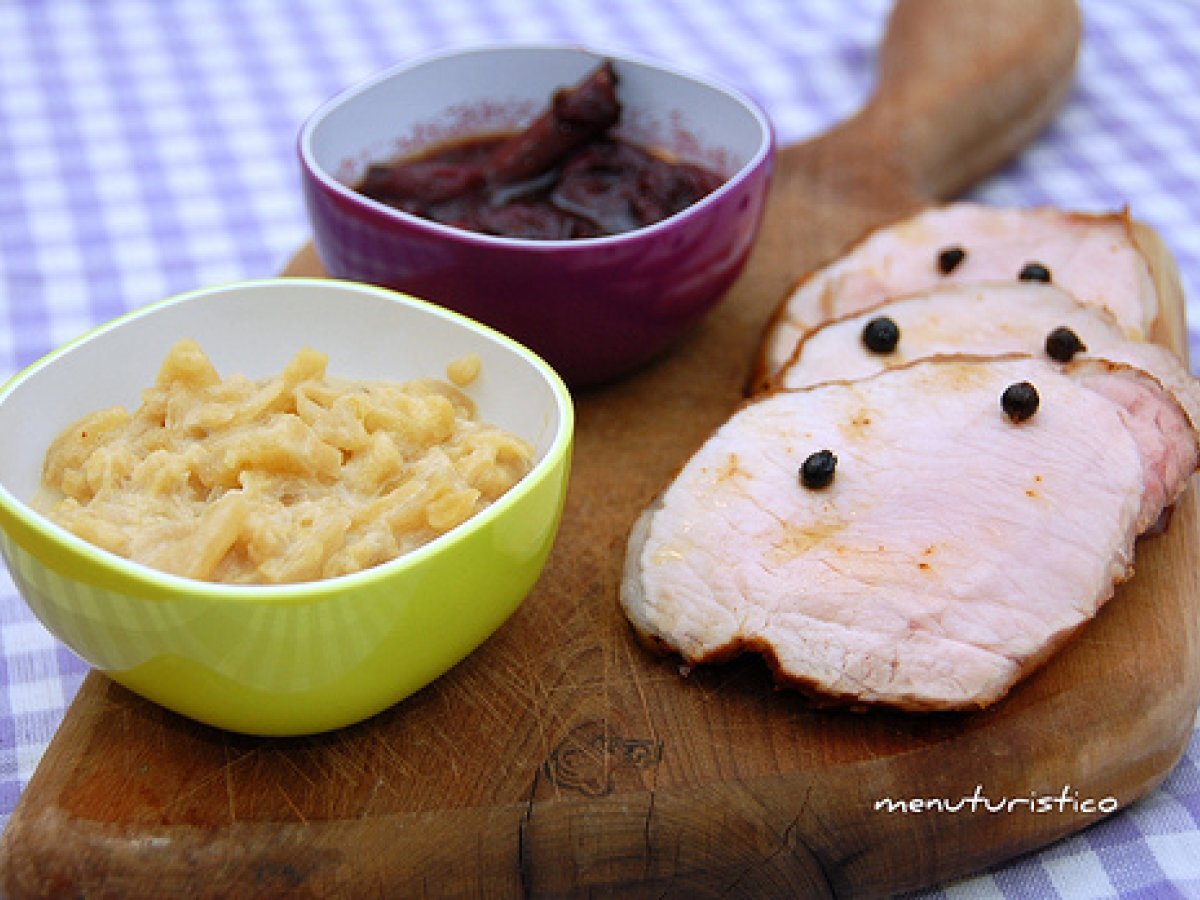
x=503, y=88
x=254, y=329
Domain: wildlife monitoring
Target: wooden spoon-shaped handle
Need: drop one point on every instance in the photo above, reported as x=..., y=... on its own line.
x=962, y=86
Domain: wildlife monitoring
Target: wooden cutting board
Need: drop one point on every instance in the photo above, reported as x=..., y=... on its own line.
x=561, y=758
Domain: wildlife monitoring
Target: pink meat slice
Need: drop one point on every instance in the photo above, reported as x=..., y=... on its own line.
x=985, y=319
x=954, y=551
x=1096, y=258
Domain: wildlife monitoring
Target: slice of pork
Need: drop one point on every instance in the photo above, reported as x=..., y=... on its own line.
x=988, y=318
x=954, y=550
x=1097, y=258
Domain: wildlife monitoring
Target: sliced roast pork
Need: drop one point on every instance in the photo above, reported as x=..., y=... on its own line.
x=955, y=534
x=1097, y=258
x=988, y=318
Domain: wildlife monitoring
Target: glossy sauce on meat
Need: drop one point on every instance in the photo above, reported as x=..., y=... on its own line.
x=563, y=177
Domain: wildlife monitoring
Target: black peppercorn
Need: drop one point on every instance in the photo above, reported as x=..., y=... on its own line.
x=817, y=471
x=1062, y=343
x=1035, y=271
x=881, y=334
x=948, y=260
x=1019, y=401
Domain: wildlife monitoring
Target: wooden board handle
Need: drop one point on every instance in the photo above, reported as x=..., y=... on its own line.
x=963, y=86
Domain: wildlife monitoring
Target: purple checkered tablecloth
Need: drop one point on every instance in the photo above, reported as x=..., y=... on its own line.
x=147, y=148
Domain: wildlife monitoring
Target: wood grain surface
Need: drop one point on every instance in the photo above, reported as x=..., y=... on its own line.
x=561, y=759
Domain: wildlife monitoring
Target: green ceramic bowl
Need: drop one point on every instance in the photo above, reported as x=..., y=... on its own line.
x=291, y=659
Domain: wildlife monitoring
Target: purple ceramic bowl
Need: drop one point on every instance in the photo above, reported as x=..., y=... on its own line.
x=594, y=308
